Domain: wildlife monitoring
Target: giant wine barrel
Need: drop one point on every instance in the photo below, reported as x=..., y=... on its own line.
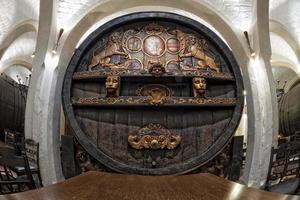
x=289, y=112
x=153, y=93
x=12, y=105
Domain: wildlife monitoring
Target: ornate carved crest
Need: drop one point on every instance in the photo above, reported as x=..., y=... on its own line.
x=153, y=136
x=156, y=93
x=154, y=49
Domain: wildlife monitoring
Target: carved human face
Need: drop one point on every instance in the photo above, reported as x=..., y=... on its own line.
x=157, y=69
x=199, y=83
x=112, y=83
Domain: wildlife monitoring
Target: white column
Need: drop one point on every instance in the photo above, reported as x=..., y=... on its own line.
x=262, y=111
x=41, y=123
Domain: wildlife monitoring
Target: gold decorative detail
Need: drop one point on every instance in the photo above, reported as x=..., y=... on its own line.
x=156, y=93
x=144, y=100
x=112, y=86
x=123, y=73
x=154, y=28
x=104, y=58
x=153, y=136
x=137, y=50
x=194, y=48
x=199, y=87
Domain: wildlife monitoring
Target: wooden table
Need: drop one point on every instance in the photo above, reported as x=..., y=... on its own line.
x=98, y=185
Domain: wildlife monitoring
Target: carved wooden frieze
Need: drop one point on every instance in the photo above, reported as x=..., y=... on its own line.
x=138, y=51
x=153, y=136
x=125, y=73
x=144, y=101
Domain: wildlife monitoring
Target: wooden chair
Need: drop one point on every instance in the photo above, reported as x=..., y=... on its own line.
x=9, y=183
x=15, y=140
x=283, y=175
x=32, y=154
x=9, y=138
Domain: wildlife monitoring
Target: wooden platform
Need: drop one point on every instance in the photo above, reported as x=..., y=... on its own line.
x=97, y=185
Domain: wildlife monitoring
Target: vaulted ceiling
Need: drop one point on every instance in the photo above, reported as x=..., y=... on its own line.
x=287, y=13
x=19, y=20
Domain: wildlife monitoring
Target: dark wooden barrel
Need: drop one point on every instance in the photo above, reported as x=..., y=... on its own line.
x=289, y=112
x=12, y=105
x=153, y=93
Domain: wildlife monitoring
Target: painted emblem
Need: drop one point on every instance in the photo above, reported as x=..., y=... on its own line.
x=154, y=46
x=134, y=44
x=173, y=45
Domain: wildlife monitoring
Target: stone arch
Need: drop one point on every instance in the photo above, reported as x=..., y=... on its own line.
x=102, y=11
x=15, y=61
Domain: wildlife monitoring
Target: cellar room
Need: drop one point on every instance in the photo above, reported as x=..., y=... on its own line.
x=169, y=99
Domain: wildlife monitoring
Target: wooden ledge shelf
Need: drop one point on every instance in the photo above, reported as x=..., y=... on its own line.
x=86, y=75
x=145, y=101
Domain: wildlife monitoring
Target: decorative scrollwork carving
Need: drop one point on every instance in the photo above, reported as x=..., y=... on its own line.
x=154, y=28
x=153, y=136
x=142, y=101
x=123, y=72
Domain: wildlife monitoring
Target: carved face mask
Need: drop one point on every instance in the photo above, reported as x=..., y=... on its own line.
x=112, y=82
x=199, y=83
x=157, y=70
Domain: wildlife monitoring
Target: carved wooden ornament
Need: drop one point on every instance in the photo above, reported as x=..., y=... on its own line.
x=153, y=136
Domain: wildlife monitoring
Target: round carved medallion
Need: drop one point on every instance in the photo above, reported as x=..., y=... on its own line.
x=173, y=45
x=134, y=44
x=154, y=45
